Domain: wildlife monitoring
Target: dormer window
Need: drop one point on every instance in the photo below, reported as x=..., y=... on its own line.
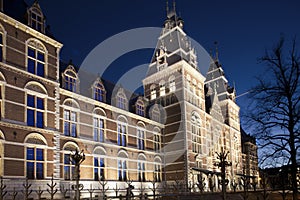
x=121, y=100
x=36, y=18
x=70, y=79
x=140, y=109
x=99, y=91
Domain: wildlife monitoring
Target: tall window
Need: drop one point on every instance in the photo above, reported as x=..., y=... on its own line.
x=156, y=142
x=141, y=171
x=35, y=111
x=98, y=129
x=99, y=92
x=152, y=92
x=172, y=84
x=122, y=170
x=36, y=59
x=140, y=109
x=69, y=167
x=196, y=133
x=99, y=168
x=162, y=88
x=121, y=101
x=34, y=163
x=1, y=47
x=70, y=123
x=141, y=139
x=157, y=172
x=122, y=135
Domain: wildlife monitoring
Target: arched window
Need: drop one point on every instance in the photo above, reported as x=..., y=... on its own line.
x=122, y=166
x=152, y=92
x=121, y=100
x=196, y=133
x=140, y=108
x=141, y=168
x=36, y=101
x=35, y=156
x=172, y=86
x=36, y=57
x=2, y=95
x=122, y=132
x=141, y=137
x=99, y=164
x=70, y=118
x=162, y=88
x=99, y=123
x=155, y=114
x=69, y=167
x=156, y=140
x=157, y=169
x=70, y=79
x=99, y=91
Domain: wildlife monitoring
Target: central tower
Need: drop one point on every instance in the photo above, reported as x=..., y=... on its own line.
x=196, y=110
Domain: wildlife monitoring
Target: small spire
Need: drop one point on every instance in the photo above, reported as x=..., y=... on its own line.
x=174, y=6
x=167, y=6
x=217, y=51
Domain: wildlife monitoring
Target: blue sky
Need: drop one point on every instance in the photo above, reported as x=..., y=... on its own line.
x=243, y=29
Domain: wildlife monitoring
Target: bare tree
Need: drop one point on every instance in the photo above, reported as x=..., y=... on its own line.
x=275, y=109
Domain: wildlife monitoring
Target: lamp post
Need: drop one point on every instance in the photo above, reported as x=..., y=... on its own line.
x=223, y=163
x=77, y=159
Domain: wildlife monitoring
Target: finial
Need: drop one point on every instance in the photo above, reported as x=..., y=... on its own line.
x=217, y=51
x=174, y=6
x=167, y=6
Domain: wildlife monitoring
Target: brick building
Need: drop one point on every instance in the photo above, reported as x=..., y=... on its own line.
x=170, y=133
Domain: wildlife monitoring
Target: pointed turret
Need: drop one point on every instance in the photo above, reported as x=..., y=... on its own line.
x=173, y=44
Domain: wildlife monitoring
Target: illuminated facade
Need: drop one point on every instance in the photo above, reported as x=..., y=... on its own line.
x=171, y=133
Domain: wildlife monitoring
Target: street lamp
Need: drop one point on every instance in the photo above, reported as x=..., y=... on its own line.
x=77, y=159
x=223, y=163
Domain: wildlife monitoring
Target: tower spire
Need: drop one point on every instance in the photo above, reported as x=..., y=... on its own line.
x=217, y=51
x=167, y=6
x=174, y=6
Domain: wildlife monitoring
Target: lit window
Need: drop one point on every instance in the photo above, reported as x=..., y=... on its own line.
x=196, y=133
x=121, y=101
x=141, y=171
x=99, y=92
x=34, y=163
x=141, y=139
x=98, y=129
x=172, y=84
x=69, y=167
x=36, y=59
x=152, y=92
x=122, y=135
x=162, y=88
x=70, y=121
x=122, y=170
x=140, y=110
x=99, y=168
x=35, y=111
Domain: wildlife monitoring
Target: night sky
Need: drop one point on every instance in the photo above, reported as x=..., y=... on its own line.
x=243, y=29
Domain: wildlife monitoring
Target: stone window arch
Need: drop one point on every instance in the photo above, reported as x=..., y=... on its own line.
x=36, y=57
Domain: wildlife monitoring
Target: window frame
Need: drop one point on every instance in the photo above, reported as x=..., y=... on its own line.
x=34, y=48
x=35, y=161
x=122, y=136
x=122, y=169
x=99, y=168
x=99, y=131
x=99, y=92
x=70, y=122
